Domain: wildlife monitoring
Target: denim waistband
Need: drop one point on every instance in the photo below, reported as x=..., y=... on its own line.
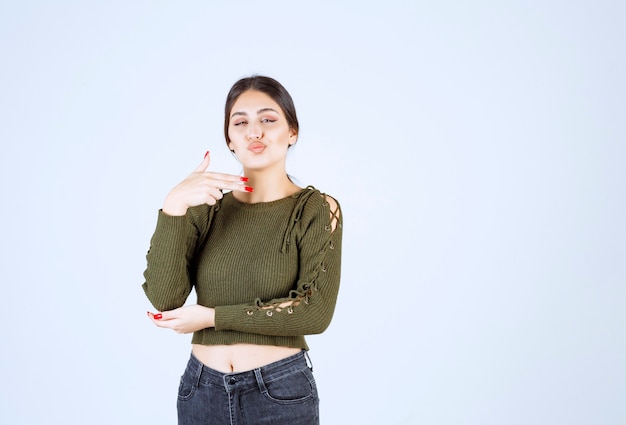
x=239, y=380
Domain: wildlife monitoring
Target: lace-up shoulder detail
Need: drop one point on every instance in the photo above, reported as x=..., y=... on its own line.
x=335, y=212
x=302, y=198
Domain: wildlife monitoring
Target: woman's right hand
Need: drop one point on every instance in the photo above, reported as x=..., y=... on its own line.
x=201, y=187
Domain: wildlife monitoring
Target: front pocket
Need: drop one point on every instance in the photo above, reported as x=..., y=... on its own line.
x=293, y=388
x=185, y=389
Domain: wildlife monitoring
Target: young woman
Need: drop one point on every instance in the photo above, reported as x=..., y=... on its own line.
x=263, y=256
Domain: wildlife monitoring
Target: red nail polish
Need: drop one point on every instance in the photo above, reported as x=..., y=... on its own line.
x=243, y=179
x=205, y=155
x=248, y=189
x=158, y=316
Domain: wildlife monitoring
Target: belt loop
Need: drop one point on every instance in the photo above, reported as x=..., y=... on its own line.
x=259, y=380
x=198, y=374
x=308, y=360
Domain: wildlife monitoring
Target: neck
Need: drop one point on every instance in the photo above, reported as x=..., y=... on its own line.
x=267, y=187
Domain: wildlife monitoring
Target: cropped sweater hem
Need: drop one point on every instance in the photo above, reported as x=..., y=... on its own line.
x=210, y=336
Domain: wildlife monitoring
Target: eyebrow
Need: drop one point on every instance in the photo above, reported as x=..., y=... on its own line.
x=260, y=111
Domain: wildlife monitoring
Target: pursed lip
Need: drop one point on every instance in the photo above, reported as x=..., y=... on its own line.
x=256, y=147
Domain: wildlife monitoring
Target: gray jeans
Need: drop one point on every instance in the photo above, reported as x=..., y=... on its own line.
x=283, y=392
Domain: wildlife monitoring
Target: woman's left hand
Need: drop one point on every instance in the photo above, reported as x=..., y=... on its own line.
x=185, y=319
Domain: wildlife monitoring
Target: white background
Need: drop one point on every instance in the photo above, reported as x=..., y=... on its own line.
x=477, y=149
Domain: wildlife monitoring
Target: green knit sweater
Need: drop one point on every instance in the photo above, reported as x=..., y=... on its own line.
x=271, y=270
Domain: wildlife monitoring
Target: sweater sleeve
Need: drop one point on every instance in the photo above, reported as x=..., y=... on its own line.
x=170, y=258
x=309, y=307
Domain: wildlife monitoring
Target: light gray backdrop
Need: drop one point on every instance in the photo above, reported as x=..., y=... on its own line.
x=477, y=149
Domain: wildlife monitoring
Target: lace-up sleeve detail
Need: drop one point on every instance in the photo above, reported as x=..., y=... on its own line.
x=316, y=231
x=170, y=258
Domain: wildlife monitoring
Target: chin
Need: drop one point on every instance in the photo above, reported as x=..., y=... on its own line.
x=257, y=162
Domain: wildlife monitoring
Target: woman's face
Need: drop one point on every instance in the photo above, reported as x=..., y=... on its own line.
x=258, y=131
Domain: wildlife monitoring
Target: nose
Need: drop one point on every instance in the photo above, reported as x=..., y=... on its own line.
x=255, y=132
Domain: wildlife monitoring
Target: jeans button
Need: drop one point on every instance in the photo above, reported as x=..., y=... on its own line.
x=232, y=381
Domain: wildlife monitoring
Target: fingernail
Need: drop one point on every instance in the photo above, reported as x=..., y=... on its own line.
x=205, y=155
x=248, y=189
x=243, y=179
x=158, y=316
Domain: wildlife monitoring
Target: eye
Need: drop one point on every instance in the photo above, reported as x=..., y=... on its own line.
x=268, y=120
x=240, y=123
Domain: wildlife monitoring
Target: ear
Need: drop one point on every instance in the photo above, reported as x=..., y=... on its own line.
x=293, y=137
